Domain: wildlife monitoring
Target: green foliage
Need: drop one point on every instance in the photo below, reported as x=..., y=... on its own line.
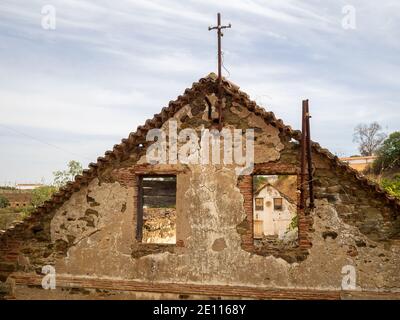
x=9, y=210
x=7, y=188
x=388, y=154
x=41, y=194
x=4, y=203
x=294, y=223
x=62, y=177
x=258, y=181
x=26, y=211
x=392, y=186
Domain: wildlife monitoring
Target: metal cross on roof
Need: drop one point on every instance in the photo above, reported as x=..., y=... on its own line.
x=219, y=28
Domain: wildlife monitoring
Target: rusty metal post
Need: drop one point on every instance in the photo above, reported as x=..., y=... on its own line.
x=309, y=157
x=219, y=73
x=303, y=157
x=139, y=206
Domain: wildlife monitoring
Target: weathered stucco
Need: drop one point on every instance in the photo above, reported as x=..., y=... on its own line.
x=110, y=235
x=212, y=206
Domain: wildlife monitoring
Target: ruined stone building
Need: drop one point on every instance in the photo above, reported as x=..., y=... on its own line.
x=17, y=198
x=133, y=228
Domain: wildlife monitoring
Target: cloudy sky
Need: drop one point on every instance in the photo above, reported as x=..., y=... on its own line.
x=74, y=92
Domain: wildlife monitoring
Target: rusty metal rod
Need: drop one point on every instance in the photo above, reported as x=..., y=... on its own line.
x=303, y=157
x=309, y=157
x=219, y=74
x=139, y=223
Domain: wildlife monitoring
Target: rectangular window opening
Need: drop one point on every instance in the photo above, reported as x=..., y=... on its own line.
x=275, y=209
x=157, y=209
x=278, y=204
x=259, y=204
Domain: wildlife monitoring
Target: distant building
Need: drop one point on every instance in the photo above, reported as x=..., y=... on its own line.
x=359, y=163
x=273, y=212
x=28, y=186
x=17, y=198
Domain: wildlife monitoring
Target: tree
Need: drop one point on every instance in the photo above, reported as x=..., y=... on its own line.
x=41, y=194
x=369, y=138
x=4, y=203
x=388, y=154
x=62, y=177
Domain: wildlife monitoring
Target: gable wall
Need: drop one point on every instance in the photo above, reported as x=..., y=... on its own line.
x=93, y=233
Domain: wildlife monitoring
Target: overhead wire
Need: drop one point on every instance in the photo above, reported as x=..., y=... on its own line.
x=44, y=142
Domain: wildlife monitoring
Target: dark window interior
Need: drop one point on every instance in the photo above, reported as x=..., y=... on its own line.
x=278, y=204
x=259, y=204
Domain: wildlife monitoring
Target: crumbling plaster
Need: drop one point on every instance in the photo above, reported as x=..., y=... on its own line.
x=107, y=252
x=209, y=209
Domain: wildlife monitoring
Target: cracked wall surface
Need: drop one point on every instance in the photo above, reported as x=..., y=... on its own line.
x=210, y=207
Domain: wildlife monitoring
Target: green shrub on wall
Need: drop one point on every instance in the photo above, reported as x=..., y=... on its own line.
x=4, y=203
x=392, y=186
